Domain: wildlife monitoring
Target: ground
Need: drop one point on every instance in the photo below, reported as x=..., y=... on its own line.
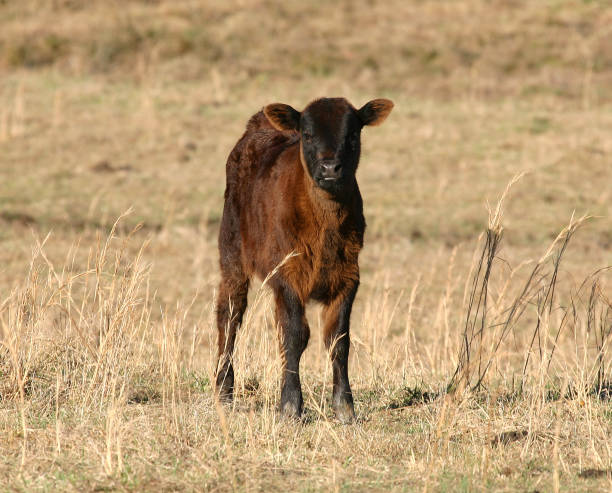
x=115, y=123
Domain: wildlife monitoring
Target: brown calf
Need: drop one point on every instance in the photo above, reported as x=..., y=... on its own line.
x=291, y=187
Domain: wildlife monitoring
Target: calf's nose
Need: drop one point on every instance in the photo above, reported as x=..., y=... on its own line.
x=331, y=170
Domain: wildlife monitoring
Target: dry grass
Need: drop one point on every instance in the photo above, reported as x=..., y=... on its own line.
x=480, y=350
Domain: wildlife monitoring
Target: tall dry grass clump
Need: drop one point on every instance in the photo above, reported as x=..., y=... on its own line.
x=536, y=316
x=85, y=343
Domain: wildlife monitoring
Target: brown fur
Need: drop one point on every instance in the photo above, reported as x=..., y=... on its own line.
x=282, y=211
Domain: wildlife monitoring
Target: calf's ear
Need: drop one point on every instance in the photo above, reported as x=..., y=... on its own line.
x=375, y=112
x=282, y=116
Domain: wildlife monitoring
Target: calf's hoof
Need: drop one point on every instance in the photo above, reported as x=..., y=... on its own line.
x=225, y=396
x=224, y=385
x=291, y=405
x=290, y=410
x=345, y=412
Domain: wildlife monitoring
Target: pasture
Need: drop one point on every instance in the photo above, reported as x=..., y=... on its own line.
x=481, y=331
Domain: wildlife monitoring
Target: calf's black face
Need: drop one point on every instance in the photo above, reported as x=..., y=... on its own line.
x=330, y=130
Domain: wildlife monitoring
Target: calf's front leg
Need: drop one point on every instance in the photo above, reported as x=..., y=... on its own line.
x=337, y=318
x=293, y=334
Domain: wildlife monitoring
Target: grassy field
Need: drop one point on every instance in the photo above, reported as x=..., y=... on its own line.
x=480, y=355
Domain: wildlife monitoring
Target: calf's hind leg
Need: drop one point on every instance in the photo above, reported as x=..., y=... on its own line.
x=337, y=317
x=231, y=304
